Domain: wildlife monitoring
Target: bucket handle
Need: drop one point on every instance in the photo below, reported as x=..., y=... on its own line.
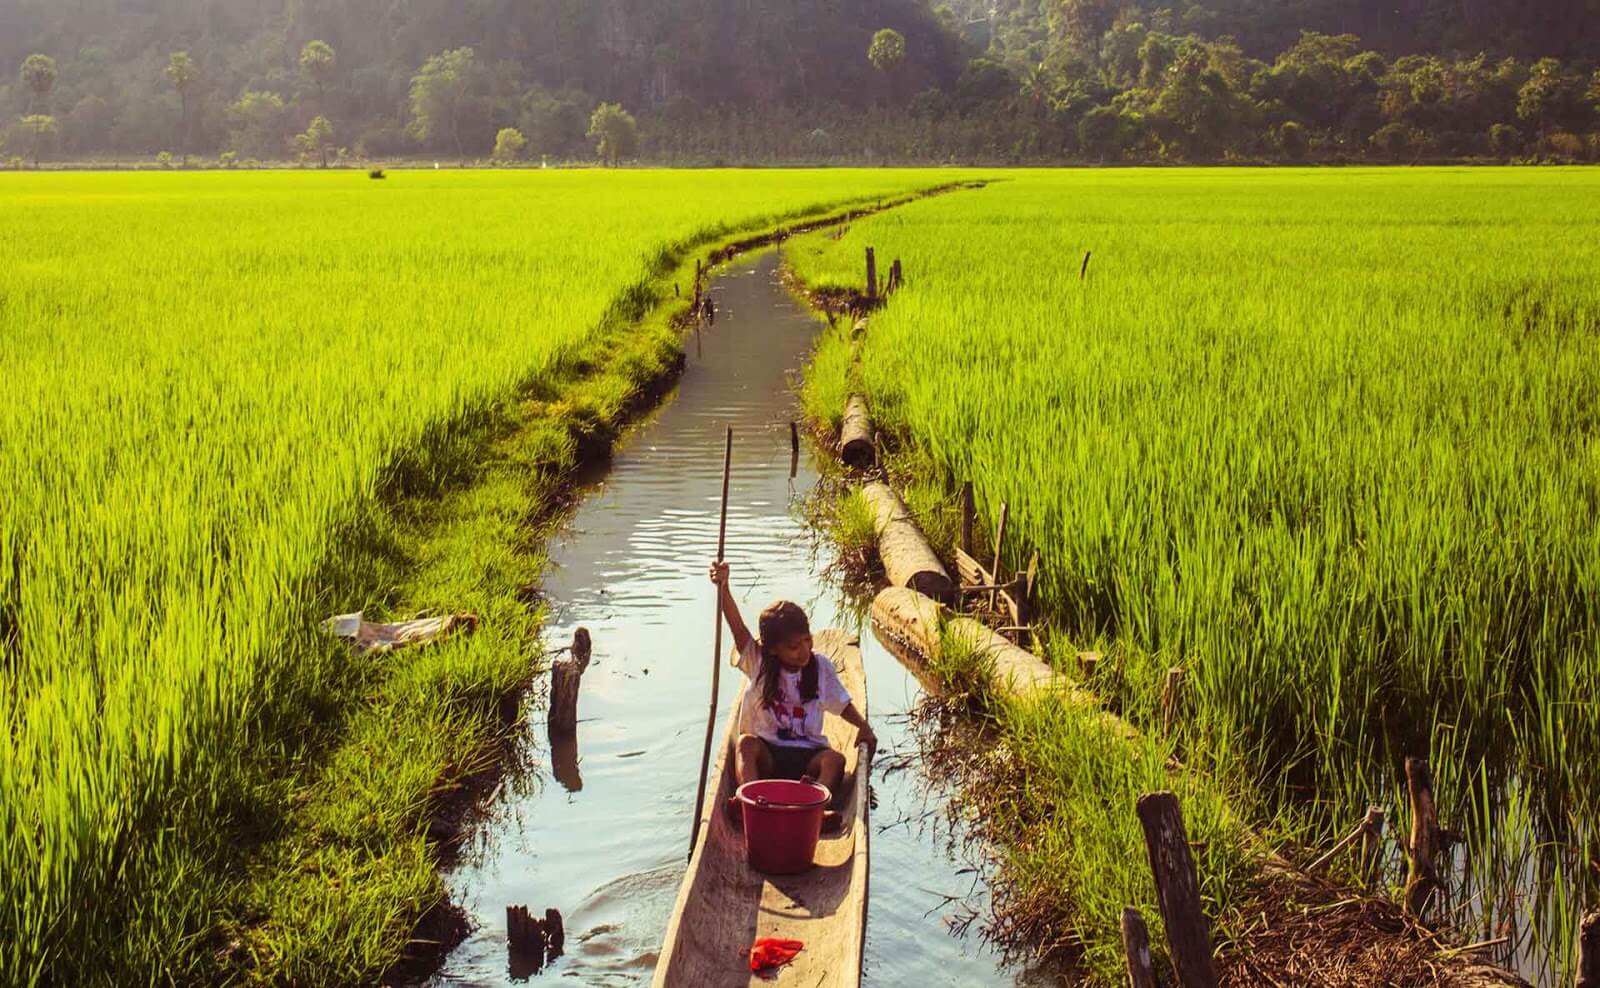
x=764, y=802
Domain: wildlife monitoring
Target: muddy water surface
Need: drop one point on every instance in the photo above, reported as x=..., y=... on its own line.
x=606, y=844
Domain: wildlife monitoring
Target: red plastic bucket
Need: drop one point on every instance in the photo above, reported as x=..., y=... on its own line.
x=782, y=822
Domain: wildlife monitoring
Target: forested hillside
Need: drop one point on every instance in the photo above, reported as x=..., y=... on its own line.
x=749, y=81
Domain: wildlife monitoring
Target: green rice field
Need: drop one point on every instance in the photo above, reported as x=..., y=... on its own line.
x=210, y=379
x=1326, y=439
x=1329, y=440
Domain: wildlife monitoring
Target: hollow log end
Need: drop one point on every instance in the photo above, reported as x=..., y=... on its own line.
x=858, y=454
x=933, y=584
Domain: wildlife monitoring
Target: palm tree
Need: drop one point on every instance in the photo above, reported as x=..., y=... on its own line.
x=317, y=60
x=183, y=74
x=39, y=75
x=887, y=52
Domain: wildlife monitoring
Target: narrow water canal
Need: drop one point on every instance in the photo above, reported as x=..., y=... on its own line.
x=608, y=849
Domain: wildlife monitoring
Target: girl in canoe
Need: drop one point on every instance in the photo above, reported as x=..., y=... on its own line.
x=790, y=687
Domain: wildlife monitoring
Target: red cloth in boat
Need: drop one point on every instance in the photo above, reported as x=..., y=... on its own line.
x=773, y=952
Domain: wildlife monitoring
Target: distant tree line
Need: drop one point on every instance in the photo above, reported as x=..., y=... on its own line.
x=752, y=81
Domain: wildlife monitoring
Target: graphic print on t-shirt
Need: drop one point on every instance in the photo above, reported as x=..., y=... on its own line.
x=791, y=721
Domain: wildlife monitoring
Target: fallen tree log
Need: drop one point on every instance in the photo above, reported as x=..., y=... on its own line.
x=922, y=627
x=856, y=447
x=919, y=622
x=907, y=557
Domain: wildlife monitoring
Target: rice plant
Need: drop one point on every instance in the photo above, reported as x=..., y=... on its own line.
x=207, y=376
x=1327, y=439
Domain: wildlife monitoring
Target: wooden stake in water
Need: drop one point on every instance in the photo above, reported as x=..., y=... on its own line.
x=716, y=650
x=1588, y=975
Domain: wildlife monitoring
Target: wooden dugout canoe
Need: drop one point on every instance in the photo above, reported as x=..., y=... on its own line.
x=723, y=905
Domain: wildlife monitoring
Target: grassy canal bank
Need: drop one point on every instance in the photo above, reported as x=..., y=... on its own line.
x=1319, y=440
x=341, y=396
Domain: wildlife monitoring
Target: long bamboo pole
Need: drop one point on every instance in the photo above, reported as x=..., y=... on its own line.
x=716, y=650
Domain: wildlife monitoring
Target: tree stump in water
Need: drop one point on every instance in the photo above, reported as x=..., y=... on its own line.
x=1372, y=843
x=1422, y=877
x=565, y=677
x=533, y=943
x=555, y=933
x=582, y=648
x=1588, y=952
x=1177, y=889
x=525, y=941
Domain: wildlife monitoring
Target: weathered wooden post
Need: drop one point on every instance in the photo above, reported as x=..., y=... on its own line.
x=555, y=933
x=967, y=517
x=1171, y=693
x=1023, y=595
x=525, y=940
x=999, y=547
x=565, y=677
x=1136, y=946
x=872, y=275
x=1588, y=952
x=1363, y=832
x=1177, y=889
x=1422, y=877
x=1372, y=842
x=1088, y=664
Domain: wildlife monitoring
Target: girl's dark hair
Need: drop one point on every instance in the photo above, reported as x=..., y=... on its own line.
x=781, y=622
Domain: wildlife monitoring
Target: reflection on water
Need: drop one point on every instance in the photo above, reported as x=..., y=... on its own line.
x=601, y=831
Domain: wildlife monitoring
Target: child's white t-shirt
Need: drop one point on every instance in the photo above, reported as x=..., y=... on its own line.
x=790, y=721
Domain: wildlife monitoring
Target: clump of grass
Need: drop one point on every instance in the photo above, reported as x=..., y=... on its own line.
x=853, y=527
x=1054, y=788
x=962, y=667
x=924, y=486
